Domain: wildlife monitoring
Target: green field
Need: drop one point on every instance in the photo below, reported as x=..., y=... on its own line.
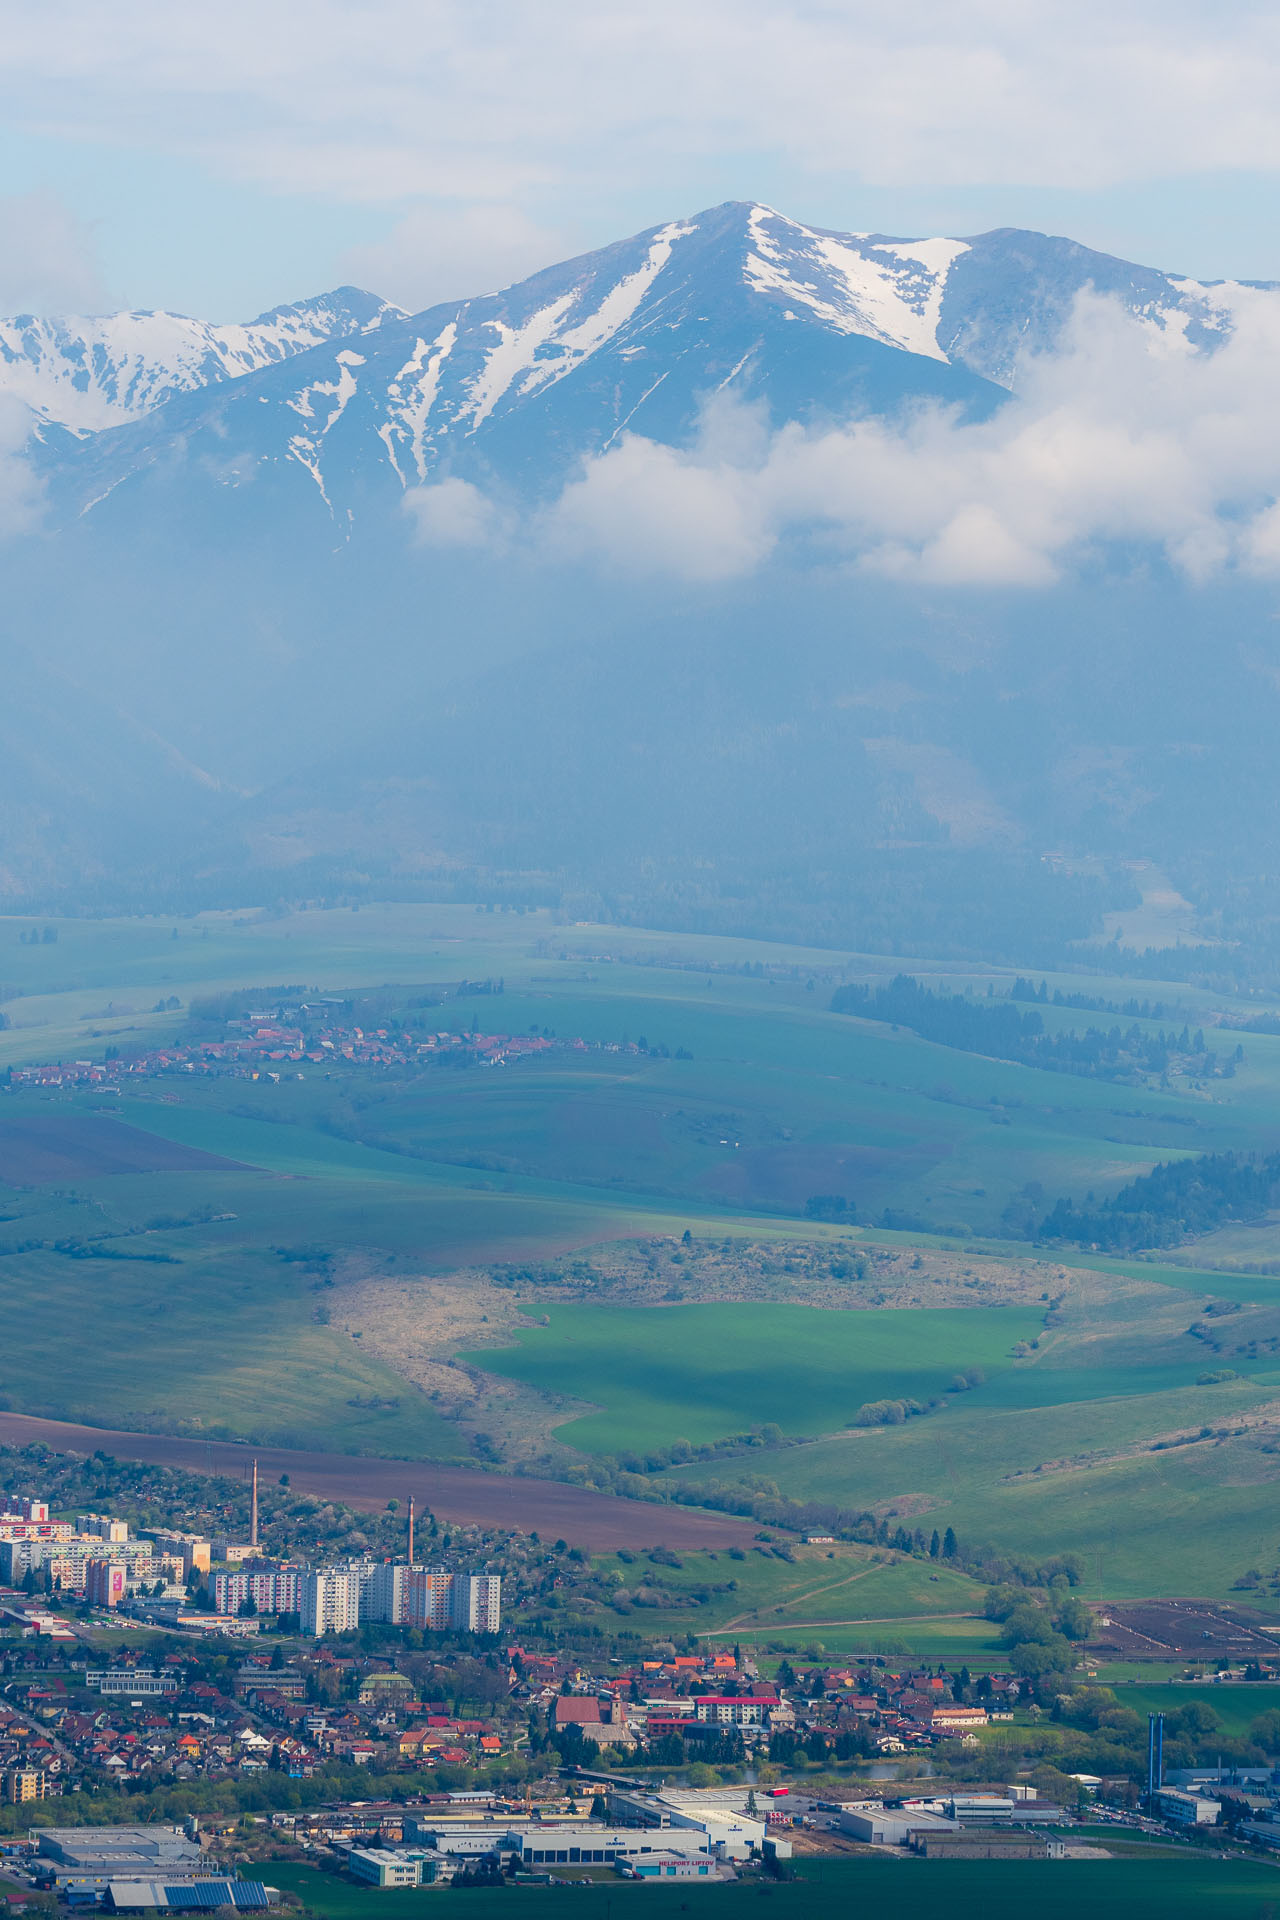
x=1178, y=1889
x=804, y=1101
x=1236, y=1705
x=820, y=1588
x=698, y=1372
x=414, y=1175
x=1188, y=1521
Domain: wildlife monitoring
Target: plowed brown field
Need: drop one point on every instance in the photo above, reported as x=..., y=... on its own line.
x=39, y=1150
x=597, y=1521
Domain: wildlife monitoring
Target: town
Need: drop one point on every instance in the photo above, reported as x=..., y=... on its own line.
x=255, y=1717
x=267, y=1042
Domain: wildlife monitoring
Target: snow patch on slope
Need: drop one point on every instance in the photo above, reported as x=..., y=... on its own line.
x=411, y=395
x=514, y=354
x=887, y=290
x=612, y=314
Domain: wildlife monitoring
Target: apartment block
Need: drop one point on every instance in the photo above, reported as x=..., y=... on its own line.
x=432, y=1598
x=26, y=1783
x=106, y=1582
x=65, y=1561
x=476, y=1602
x=276, y=1590
x=330, y=1601
x=195, y=1554
x=23, y=1509
x=427, y=1596
x=101, y=1526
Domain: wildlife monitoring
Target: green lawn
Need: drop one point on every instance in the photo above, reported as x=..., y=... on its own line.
x=700, y=1372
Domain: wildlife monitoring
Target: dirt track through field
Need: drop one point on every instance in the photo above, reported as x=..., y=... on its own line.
x=597, y=1521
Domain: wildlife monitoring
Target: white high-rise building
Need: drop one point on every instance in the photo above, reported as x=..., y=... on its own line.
x=476, y=1602
x=430, y=1598
x=330, y=1601
x=406, y=1596
x=102, y=1526
x=387, y=1593
x=364, y=1573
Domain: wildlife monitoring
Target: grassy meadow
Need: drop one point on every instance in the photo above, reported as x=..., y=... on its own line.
x=845, y=1598
x=699, y=1372
x=211, y=1312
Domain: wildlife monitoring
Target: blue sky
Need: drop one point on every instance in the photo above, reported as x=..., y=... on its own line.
x=220, y=161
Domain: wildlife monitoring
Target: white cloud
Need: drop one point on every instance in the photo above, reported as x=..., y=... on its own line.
x=389, y=100
x=645, y=507
x=453, y=513
x=1125, y=435
x=47, y=258
x=451, y=253
x=20, y=493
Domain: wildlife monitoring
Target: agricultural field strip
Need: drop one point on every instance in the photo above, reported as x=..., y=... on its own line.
x=906, y=1621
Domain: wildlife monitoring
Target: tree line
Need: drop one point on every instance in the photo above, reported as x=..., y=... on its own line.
x=998, y=1029
x=1176, y=1201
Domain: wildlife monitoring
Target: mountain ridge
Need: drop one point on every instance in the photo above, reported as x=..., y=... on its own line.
x=89, y=373
x=513, y=387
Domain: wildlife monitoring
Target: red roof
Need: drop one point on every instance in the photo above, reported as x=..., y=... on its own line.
x=581, y=1709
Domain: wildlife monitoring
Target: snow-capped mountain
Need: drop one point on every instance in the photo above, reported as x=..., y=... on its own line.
x=89, y=374
x=518, y=386
x=225, y=599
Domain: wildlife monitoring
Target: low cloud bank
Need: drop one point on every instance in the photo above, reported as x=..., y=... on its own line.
x=1124, y=436
x=21, y=495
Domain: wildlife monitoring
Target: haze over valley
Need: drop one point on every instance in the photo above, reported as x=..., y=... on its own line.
x=639, y=958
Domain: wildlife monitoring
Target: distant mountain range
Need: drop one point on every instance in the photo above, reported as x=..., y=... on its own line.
x=343, y=393
x=240, y=676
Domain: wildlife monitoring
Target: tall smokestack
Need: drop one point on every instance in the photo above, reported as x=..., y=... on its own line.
x=253, y=1509
x=410, y=1529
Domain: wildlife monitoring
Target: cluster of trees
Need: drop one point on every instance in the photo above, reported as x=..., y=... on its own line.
x=993, y=1027
x=997, y=1029
x=920, y=899
x=1116, y=1736
x=888, y=1413
x=787, y=1748
x=1176, y=1201
x=721, y=1747
x=831, y=1206
x=1041, y=1633
x=1026, y=990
